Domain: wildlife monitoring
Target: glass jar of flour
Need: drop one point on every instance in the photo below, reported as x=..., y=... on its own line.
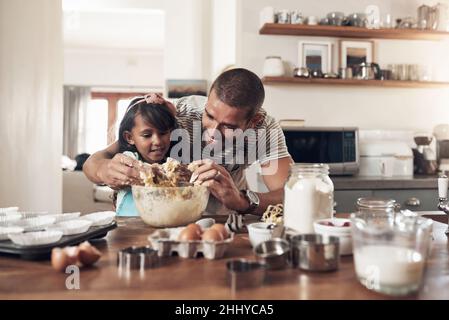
x=308, y=196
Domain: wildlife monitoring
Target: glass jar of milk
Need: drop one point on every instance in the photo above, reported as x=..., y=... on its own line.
x=308, y=196
x=390, y=249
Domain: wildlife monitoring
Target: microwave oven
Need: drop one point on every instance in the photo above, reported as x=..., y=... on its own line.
x=336, y=146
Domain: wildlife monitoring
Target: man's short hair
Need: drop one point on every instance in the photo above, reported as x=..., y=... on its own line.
x=240, y=88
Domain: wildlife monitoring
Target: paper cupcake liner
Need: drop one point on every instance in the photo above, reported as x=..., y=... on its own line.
x=33, y=214
x=100, y=218
x=9, y=219
x=5, y=231
x=36, y=238
x=71, y=227
x=5, y=211
x=35, y=224
x=67, y=216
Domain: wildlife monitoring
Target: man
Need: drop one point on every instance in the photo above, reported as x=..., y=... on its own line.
x=234, y=105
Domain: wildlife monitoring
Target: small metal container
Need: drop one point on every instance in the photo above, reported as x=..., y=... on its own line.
x=289, y=234
x=345, y=73
x=137, y=258
x=317, y=73
x=273, y=252
x=283, y=16
x=314, y=252
x=302, y=72
x=243, y=273
x=296, y=17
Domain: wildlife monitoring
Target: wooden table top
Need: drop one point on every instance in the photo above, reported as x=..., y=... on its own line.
x=200, y=278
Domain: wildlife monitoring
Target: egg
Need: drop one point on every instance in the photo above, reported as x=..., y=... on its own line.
x=195, y=227
x=212, y=235
x=62, y=258
x=189, y=234
x=88, y=254
x=221, y=228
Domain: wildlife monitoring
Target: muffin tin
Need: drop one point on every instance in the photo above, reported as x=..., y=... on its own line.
x=166, y=243
x=32, y=235
x=43, y=251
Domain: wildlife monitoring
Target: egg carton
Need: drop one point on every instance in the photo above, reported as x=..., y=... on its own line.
x=166, y=243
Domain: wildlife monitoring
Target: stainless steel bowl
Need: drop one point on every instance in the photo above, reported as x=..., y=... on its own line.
x=301, y=72
x=314, y=252
x=273, y=252
x=357, y=20
x=336, y=18
x=244, y=273
x=290, y=234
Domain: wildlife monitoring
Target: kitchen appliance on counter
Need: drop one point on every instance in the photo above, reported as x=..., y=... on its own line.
x=424, y=158
x=441, y=133
x=385, y=159
x=335, y=146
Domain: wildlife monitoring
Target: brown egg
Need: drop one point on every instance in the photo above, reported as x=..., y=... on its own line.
x=212, y=235
x=88, y=254
x=195, y=227
x=189, y=234
x=62, y=258
x=222, y=229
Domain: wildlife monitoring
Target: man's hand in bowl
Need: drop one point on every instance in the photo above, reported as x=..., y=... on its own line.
x=220, y=184
x=119, y=172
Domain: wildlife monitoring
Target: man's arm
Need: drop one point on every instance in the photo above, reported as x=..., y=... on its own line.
x=110, y=167
x=274, y=175
x=221, y=185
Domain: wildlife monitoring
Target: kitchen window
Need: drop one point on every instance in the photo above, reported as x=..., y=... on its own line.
x=103, y=116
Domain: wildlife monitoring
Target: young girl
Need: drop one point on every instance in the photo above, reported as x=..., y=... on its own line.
x=144, y=134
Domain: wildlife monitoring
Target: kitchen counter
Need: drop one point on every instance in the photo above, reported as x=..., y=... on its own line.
x=199, y=278
x=377, y=183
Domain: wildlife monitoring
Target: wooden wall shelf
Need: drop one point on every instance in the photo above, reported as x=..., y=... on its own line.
x=350, y=32
x=353, y=82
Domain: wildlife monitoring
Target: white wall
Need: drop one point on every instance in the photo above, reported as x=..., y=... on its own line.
x=187, y=43
x=31, y=104
x=113, y=67
x=368, y=108
x=184, y=55
x=224, y=27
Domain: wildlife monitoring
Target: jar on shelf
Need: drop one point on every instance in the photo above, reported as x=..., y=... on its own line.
x=308, y=196
x=273, y=67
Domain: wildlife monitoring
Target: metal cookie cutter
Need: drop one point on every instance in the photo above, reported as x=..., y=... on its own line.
x=137, y=258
